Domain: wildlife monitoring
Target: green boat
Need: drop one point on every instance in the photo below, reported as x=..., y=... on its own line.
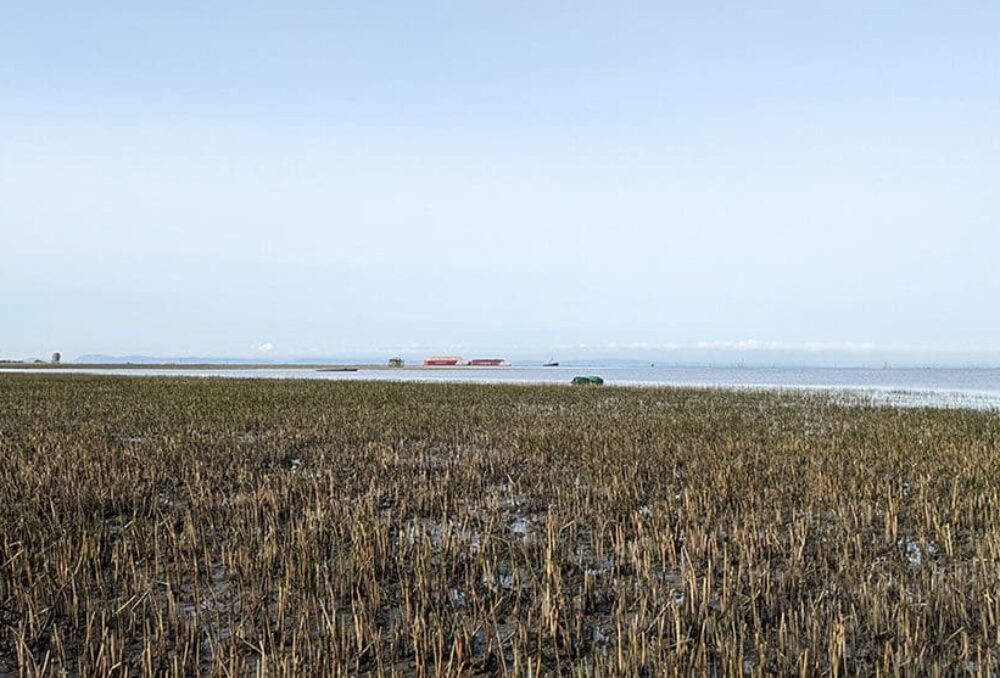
x=591, y=380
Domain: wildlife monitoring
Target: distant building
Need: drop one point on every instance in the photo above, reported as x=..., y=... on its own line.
x=442, y=361
x=396, y=362
x=56, y=357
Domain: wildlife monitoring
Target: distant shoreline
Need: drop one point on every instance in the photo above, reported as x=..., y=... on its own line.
x=964, y=389
x=329, y=367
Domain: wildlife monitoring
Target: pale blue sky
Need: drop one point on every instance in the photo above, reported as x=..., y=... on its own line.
x=332, y=178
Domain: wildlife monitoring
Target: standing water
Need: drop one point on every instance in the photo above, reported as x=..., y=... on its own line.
x=915, y=387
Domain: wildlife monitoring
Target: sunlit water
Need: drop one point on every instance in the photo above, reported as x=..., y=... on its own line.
x=910, y=387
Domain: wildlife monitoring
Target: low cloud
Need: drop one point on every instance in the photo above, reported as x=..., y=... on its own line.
x=742, y=345
x=810, y=346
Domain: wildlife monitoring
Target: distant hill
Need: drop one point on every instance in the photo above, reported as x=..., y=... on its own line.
x=101, y=359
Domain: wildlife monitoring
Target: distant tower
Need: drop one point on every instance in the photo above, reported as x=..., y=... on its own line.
x=56, y=357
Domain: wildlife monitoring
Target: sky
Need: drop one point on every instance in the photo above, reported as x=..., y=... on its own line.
x=711, y=181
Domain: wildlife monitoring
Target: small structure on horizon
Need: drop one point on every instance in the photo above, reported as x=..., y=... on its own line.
x=487, y=362
x=396, y=362
x=56, y=357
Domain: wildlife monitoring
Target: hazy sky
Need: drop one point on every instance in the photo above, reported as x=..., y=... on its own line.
x=334, y=177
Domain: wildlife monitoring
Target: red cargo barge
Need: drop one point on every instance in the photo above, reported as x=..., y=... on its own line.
x=442, y=361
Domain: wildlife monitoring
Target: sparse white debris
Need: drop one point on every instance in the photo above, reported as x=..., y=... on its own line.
x=599, y=636
x=603, y=569
x=645, y=511
x=914, y=552
x=294, y=464
x=521, y=526
x=497, y=582
x=457, y=598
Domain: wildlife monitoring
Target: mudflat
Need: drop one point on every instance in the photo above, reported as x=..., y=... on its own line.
x=169, y=525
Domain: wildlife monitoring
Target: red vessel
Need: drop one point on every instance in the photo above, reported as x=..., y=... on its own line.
x=442, y=361
x=487, y=362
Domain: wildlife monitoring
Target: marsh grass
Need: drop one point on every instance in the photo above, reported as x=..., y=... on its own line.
x=180, y=526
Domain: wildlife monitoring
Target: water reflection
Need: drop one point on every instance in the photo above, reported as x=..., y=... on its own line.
x=915, y=387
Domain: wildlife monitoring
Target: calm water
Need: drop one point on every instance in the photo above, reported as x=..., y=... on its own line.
x=973, y=388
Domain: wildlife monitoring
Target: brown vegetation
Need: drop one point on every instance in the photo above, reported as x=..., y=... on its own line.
x=172, y=525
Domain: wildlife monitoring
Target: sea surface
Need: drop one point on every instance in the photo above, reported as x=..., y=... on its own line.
x=977, y=388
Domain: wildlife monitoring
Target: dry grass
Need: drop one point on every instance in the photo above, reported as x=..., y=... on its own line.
x=179, y=526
